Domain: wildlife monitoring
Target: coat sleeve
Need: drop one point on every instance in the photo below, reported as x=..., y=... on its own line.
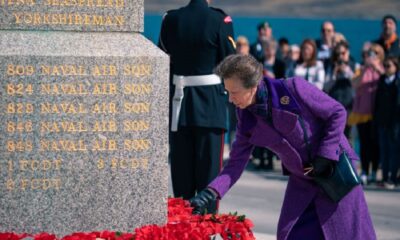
x=238, y=159
x=329, y=111
x=162, y=40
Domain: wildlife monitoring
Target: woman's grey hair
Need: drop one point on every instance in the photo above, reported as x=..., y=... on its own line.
x=244, y=67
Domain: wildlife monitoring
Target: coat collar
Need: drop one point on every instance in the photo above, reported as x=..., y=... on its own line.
x=280, y=96
x=199, y=2
x=274, y=93
x=276, y=104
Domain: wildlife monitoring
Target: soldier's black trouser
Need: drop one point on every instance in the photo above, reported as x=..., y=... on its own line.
x=196, y=159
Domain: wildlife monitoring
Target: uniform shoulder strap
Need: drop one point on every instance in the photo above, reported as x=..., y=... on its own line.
x=219, y=10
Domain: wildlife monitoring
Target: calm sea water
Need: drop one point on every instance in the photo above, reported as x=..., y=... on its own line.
x=295, y=29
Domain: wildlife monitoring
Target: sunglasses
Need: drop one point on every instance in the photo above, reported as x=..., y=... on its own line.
x=387, y=65
x=327, y=30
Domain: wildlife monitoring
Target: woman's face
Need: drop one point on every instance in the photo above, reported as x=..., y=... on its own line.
x=390, y=68
x=242, y=48
x=269, y=52
x=307, y=52
x=343, y=54
x=238, y=95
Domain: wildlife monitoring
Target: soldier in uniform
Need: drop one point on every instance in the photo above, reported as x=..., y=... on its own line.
x=196, y=37
x=264, y=34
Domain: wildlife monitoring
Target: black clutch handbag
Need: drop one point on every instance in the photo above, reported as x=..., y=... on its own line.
x=343, y=178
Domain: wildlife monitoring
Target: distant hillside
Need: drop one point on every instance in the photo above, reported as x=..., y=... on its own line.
x=330, y=9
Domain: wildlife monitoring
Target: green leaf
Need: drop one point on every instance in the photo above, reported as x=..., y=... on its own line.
x=242, y=218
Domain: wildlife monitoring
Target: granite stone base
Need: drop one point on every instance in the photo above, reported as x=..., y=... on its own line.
x=84, y=135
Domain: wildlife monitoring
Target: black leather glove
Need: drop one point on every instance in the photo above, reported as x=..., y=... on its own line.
x=201, y=201
x=322, y=167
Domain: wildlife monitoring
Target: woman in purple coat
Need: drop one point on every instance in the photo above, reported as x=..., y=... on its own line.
x=266, y=118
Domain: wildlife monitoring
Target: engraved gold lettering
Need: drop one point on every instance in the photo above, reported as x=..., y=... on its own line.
x=137, y=89
x=86, y=20
x=17, y=17
x=100, y=164
x=67, y=108
x=119, y=20
x=137, y=144
x=104, y=145
x=62, y=126
x=104, y=108
x=57, y=183
x=30, y=18
x=123, y=164
x=136, y=126
x=104, y=126
x=119, y=3
x=98, y=20
x=34, y=184
x=133, y=163
x=24, y=184
x=63, y=70
x=10, y=184
x=46, y=184
x=114, y=163
x=19, y=146
x=78, y=19
x=43, y=165
x=86, y=3
x=62, y=146
x=19, y=127
x=19, y=89
x=104, y=70
x=105, y=89
x=17, y=2
x=109, y=21
x=46, y=19
x=20, y=70
x=19, y=108
x=10, y=166
x=130, y=107
x=137, y=70
x=36, y=19
x=64, y=89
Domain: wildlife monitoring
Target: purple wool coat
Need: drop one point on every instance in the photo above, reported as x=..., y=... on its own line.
x=324, y=120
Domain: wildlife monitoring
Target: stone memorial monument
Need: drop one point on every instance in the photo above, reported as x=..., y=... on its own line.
x=84, y=118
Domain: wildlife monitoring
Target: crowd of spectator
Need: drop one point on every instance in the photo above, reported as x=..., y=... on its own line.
x=369, y=90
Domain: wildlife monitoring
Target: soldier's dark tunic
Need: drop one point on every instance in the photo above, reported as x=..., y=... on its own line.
x=197, y=37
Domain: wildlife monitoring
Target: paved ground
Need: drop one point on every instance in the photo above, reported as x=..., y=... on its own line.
x=365, y=9
x=259, y=195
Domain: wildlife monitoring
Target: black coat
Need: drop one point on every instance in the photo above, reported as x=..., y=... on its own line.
x=386, y=105
x=342, y=91
x=198, y=37
x=394, y=49
x=257, y=51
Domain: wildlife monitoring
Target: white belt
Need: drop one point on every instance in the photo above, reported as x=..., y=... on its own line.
x=180, y=83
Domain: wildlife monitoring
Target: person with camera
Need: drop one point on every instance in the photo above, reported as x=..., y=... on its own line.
x=363, y=107
x=340, y=72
